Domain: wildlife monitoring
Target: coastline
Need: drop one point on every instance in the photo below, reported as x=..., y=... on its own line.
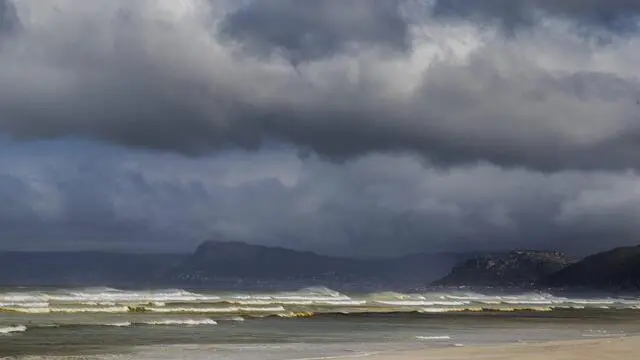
x=617, y=348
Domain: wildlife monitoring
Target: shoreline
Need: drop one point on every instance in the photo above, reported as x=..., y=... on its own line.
x=613, y=348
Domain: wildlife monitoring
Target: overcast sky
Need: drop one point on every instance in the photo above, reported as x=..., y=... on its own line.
x=360, y=127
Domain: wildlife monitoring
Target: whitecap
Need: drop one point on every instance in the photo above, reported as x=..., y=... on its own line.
x=119, y=324
x=12, y=329
x=187, y=322
x=436, y=337
x=73, y=310
x=232, y=309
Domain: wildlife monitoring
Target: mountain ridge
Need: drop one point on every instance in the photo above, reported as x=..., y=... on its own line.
x=516, y=268
x=216, y=262
x=615, y=269
x=224, y=264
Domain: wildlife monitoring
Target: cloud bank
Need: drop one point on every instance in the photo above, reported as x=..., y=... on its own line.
x=83, y=195
x=341, y=80
x=367, y=127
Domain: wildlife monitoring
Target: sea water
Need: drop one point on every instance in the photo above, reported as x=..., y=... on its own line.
x=106, y=323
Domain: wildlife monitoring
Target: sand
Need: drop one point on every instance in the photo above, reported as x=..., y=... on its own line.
x=627, y=348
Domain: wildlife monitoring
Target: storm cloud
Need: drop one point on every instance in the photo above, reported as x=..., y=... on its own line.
x=8, y=18
x=78, y=195
x=619, y=15
x=357, y=127
x=309, y=30
x=340, y=80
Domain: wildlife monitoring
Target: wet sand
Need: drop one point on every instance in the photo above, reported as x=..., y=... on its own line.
x=627, y=348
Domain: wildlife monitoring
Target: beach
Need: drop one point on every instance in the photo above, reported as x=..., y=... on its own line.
x=601, y=349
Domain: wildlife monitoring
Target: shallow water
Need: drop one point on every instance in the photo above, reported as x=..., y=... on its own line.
x=103, y=323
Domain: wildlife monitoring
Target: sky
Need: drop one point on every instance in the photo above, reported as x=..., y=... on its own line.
x=357, y=128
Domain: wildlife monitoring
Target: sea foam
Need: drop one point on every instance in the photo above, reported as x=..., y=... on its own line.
x=187, y=322
x=316, y=300
x=12, y=329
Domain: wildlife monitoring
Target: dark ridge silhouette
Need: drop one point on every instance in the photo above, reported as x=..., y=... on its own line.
x=232, y=265
x=617, y=269
x=519, y=268
x=215, y=263
x=219, y=264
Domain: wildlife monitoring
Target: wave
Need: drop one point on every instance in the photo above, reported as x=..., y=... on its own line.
x=411, y=313
x=69, y=310
x=142, y=309
x=12, y=329
x=602, y=334
x=305, y=314
x=213, y=310
x=316, y=299
x=423, y=303
x=441, y=337
x=281, y=310
x=104, y=295
x=424, y=313
x=119, y=324
x=188, y=322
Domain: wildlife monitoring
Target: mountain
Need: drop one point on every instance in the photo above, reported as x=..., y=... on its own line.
x=90, y=268
x=520, y=268
x=617, y=269
x=223, y=265
x=236, y=264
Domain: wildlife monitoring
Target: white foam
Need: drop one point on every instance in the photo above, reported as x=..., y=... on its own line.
x=231, y=309
x=442, y=310
x=119, y=324
x=27, y=304
x=423, y=303
x=601, y=333
x=72, y=310
x=188, y=322
x=442, y=337
x=12, y=329
x=350, y=356
x=530, y=302
x=98, y=303
x=109, y=300
x=27, y=310
x=479, y=308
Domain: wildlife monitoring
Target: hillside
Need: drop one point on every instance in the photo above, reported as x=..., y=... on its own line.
x=521, y=268
x=232, y=264
x=221, y=265
x=617, y=269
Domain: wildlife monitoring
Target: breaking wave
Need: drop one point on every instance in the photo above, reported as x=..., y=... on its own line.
x=427, y=338
x=13, y=329
x=316, y=300
x=119, y=324
x=188, y=322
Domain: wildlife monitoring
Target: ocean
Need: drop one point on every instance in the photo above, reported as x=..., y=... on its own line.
x=312, y=323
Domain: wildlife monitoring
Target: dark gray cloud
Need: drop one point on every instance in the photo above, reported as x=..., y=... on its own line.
x=9, y=21
x=196, y=76
x=66, y=195
x=620, y=15
x=303, y=30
